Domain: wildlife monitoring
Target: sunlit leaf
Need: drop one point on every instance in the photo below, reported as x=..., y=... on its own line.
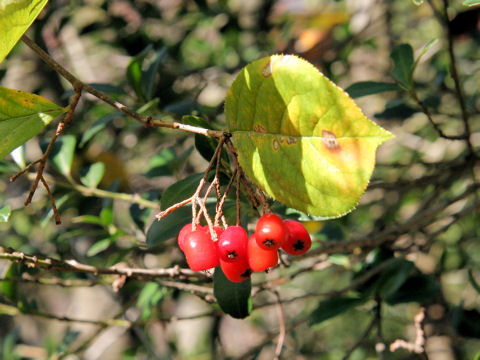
x=301, y=138
x=471, y=2
x=22, y=116
x=15, y=18
x=93, y=175
x=5, y=213
x=99, y=246
x=234, y=298
x=62, y=153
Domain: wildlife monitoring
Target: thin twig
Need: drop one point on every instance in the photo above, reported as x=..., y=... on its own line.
x=58, y=221
x=75, y=266
x=281, y=321
x=145, y=120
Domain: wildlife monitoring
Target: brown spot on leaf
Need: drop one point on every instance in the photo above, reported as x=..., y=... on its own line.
x=330, y=141
x=267, y=69
x=259, y=128
x=276, y=145
x=291, y=140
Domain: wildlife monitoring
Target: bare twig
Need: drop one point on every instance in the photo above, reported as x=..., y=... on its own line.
x=75, y=266
x=417, y=346
x=281, y=321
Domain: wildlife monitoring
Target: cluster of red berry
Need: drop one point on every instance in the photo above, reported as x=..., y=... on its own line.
x=236, y=253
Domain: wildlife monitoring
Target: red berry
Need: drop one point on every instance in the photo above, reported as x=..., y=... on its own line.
x=260, y=259
x=200, y=251
x=218, y=230
x=298, y=239
x=236, y=271
x=270, y=231
x=232, y=244
x=187, y=229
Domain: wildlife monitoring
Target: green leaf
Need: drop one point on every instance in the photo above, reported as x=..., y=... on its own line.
x=5, y=213
x=15, y=18
x=135, y=73
x=93, y=175
x=477, y=356
x=471, y=2
x=233, y=298
x=417, y=2
x=18, y=155
x=62, y=154
x=99, y=246
x=98, y=126
x=179, y=191
x=151, y=294
x=364, y=88
x=169, y=226
x=424, y=51
x=148, y=78
x=10, y=288
x=332, y=307
x=473, y=282
x=394, y=276
x=402, y=56
x=160, y=164
x=417, y=288
x=299, y=137
x=22, y=116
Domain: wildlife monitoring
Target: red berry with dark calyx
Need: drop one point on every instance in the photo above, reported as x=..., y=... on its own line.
x=187, y=229
x=236, y=271
x=298, y=239
x=200, y=251
x=260, y=259
x=232, y=244
x=270, y=232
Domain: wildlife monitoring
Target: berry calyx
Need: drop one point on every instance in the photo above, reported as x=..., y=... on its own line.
x=187, y=229
x=236, y=271
x=270, y=232
x=232, y=244
x=200, y=251
x=298, y=239
x=260, y=259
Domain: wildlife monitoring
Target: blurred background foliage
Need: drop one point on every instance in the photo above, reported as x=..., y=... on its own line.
x=171, y=58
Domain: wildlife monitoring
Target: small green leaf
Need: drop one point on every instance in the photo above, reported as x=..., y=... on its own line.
x=402, y=56
x=471, y=2
x=5, y=213
x=332, y=307
x=106, y=215
x=160, y=164
x=15, y=18
x=417, y=2
x=425, y=49
x=179, y=191
x=364, y=88
x=99, y=246
x=62, y=154
x=299, y=137
x=22, y=116
x=477, y=356
x=148, y=78
x=151, y=294
x=88, y=219
x=98, y=126
x=233, y=298
x=93, y=175
x=135, y=73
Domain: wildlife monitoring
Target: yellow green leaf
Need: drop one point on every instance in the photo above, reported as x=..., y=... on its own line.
x=301, y=138
x=16, y=16
x=22, y=116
